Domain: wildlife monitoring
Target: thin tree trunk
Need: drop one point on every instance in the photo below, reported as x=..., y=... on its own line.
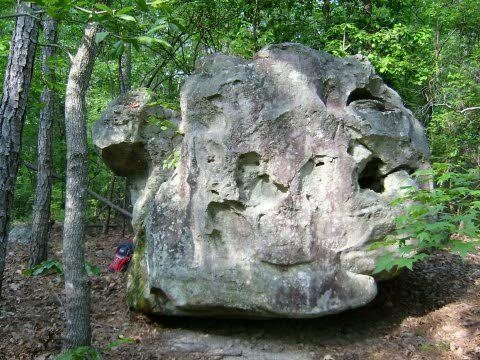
x=326, y=12
x=125, y=206
x=125, y=81
x=255, y=26
x=125, y=70
x=367, y=6
x=77, y=285
x=41, y=210
x=109, y=210
x=18, y=75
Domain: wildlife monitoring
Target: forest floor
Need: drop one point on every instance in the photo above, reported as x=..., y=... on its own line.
x=431, y=313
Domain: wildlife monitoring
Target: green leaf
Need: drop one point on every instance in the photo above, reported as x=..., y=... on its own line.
x=126, y=17
x=147, y=40
x=158, y=3
x=120, y=341
x=142, y=5
x=118, y=49
x=125, y=10
x=80, y=353
x=104, y=7
x=99, y=37
x=463, y=248
x=384, y=263
x=379, y=244
x=44, y=267
x=91, y=269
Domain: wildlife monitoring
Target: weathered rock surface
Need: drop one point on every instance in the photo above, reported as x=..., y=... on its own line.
x=288, y=166
x=20, y=233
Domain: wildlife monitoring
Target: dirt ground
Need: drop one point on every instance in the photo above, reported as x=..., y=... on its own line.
x=431, y=313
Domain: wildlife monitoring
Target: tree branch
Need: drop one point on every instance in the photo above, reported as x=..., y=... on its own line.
x=22, y=14
x=90, y=192
x=463, y=111
x=470, y=109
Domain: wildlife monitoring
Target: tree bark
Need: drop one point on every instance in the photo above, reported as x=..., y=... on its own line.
x=77, y=285
x=125, y=81
x=125, y=200
x=125, y=70
x=109, y=210
x=326, y=12
x=18, y=75
x=255, y=26
x=41, y=210
x=367, y=6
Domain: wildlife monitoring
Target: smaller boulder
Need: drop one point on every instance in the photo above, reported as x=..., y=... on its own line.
x=20, y=233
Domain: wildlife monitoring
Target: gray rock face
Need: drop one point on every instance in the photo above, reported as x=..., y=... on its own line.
x=288, y=166
x=20, y=233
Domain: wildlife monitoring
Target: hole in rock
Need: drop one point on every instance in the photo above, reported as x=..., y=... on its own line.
x=214, y=207
x=361, y=94
x=249, y=159
x=370, y=177
x=280, y=187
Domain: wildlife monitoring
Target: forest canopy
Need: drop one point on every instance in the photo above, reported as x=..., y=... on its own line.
x=428, y=51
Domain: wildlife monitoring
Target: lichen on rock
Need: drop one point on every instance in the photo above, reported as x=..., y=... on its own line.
x=287, y=170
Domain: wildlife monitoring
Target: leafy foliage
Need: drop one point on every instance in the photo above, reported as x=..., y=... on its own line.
x=90, y=353
x=447, y=217
x=120, y=341
x=45, y=267
x=172, y=160
x=81, y=353
x=55, y=266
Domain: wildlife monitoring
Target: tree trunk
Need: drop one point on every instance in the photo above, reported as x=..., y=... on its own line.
x=41, y=210
x=18, y=75
x=77, y=285
x=255, y=26
x=367, y=6
x=109, y=210
x=326, y=12
x=125, y=81
x=125, y=200
x=125, y=70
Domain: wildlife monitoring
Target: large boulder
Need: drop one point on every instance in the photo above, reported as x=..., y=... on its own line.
x=287, y=170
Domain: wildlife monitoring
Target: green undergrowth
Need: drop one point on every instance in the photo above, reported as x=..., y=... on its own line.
x=90, y=353
x=446, y=217
x=54, y=266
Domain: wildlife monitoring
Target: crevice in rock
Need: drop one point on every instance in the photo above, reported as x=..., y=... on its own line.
x=215, y=207
x=371, y=177
x=409, y=169
x=361, y=94
x=160, y=294
x=215, y=237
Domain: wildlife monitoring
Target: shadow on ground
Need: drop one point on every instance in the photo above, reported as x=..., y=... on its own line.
x=440, y=280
